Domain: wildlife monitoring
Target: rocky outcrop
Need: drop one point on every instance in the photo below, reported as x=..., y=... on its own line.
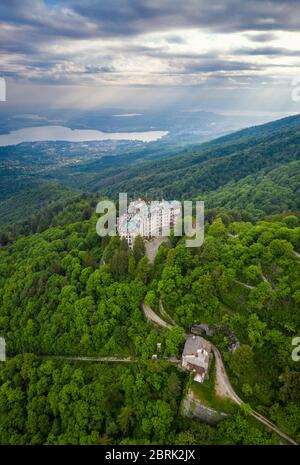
x=193, y=408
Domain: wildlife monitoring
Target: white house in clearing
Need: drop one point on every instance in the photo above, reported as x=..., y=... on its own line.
x=196, y=357
x=148, y=219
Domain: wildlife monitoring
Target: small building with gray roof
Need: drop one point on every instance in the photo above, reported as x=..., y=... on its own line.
x=196, y=357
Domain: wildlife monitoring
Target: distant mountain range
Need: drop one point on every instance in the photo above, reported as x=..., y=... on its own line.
x=255, y=169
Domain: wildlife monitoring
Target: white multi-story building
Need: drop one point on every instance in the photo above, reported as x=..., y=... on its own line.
x=148, y=219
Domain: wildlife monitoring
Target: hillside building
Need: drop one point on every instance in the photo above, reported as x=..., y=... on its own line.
x=148, y=219
x=196, y=357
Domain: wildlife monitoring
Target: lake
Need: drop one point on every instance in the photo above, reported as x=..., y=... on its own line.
x=61, y=133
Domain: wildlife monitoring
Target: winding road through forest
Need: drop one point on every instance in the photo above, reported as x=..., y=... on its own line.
x=152, y=316
x=223, y=386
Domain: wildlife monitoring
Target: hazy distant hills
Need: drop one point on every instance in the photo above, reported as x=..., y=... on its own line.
x=255, y=169
x=262, y=160
x=185, y=124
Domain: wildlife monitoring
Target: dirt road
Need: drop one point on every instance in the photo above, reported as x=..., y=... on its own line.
x=223, y=386
x=225, y=390
x=88, y=359
x=151, y=315
x=152, y=247
x=248, y=286
x=296, y=253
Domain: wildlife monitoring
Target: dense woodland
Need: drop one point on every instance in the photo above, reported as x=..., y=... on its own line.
x=220, y=164
x=245, y=278
x=50, y=402
x=264, y=157
x=66, y=291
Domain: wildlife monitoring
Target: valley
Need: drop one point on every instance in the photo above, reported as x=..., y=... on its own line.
x=75, y=299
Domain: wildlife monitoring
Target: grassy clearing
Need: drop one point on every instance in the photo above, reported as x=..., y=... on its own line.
x=205, y=393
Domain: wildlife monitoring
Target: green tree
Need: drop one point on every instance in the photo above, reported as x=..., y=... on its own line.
x=242, y=363
x=174, y=340
x=138, y=248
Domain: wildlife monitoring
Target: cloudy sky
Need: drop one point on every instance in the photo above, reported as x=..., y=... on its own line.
x=225, y=55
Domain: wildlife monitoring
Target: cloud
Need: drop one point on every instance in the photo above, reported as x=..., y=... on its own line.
x=175, y=39
x=99, y=69
x=218, y=65
x=46, y=20
x=140, y=16
x=94, y=18
x=267, y=51
x=262, y=37
x=144, y=43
